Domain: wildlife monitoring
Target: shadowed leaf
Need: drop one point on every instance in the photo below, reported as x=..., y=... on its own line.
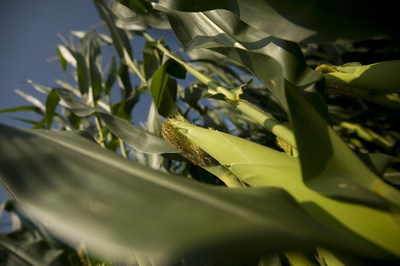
x=54, y=162
x=136, y=137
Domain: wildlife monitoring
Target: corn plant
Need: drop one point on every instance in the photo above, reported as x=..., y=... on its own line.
x=263, y=145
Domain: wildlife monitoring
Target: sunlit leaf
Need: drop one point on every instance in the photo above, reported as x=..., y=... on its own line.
x=62, y=59
x=66, y=54
x=31, y=99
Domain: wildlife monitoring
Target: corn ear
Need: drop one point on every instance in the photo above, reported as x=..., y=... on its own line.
x=261, y=166
x=196, y=155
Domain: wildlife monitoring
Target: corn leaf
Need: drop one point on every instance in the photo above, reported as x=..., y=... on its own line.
x=119, y=37
x=222, y=32
x=163, y=90
x=309, y=21
x=136, y=137
x=51, y=105
x=79, y=108
x=120, y=206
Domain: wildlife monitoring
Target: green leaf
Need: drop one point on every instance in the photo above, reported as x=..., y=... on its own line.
x=119, y=37
x=62, y=59
x=94, y=65
x=70, y=87
x=79, y=108
x=38, y=87
x=32, y=122
x=175, y=69
x=111, y=77
x=280, y=66
x=139, y=6
x=82, y=71
x=136, y=137
x=51, y=105
x=26, y=244
x=137, y=21
x=377, y=161
x=20, y=109
x=163, y=90
x=153, y=125
x=31, y=99
x=67, y=54
x=272, y=60
x=124, y=80
x=40, y=124
x=151, y=59
x=124, y=108
x=88, y=193
x=309, y=22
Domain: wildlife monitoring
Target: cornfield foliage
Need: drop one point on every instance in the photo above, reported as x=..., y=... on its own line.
x=265, y=142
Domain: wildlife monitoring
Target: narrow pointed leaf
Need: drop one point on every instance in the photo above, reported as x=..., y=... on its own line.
x=51, y=105
x=111, y=77
x=63, y=61
x=67, y=55
x=82, y=71
x=31, y=99
x=136, y=137
x=38, y=87
x=20, y=109
x=79, y=108
x=124, y=80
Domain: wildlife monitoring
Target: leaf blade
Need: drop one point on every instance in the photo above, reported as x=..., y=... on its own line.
x=109, y=185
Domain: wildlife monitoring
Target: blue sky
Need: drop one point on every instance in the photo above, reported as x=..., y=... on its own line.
x=28, y=30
